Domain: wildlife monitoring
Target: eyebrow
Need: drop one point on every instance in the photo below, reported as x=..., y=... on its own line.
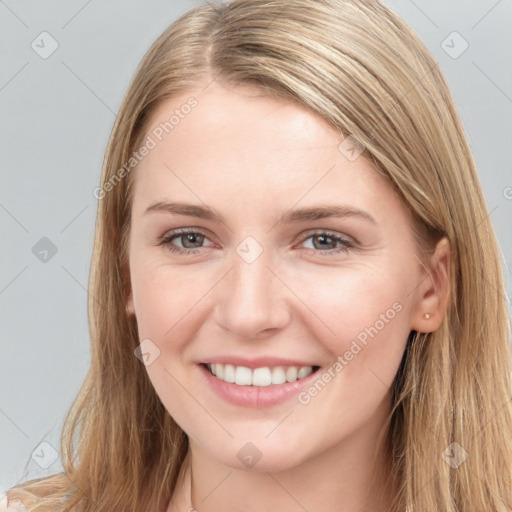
x=290, y=216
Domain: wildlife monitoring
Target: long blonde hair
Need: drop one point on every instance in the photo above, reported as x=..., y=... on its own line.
x=361, y=68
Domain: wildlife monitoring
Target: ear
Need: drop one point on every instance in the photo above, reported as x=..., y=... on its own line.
x=434, y=290
x=130, y=308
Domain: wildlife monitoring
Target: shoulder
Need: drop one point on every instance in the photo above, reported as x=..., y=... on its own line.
x=46, y=493
x=7, y=505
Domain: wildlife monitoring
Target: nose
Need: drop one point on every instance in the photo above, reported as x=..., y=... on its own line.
x=253, y=300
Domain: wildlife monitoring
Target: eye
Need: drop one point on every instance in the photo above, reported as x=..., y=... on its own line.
x=324, y=242
x=191, y=240
x=328, y=240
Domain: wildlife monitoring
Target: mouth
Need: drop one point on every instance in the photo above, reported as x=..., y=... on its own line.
x=264, y=376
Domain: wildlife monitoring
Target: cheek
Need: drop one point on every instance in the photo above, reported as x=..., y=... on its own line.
x=356, y=314
x=162, y=297
x=168, y=308
x=338, y=307
x=370, y=320
x=361, y=318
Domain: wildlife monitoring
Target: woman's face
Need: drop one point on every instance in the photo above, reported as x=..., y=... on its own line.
x=259, y=245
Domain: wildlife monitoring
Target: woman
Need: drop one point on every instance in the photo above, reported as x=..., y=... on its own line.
x=296, y=294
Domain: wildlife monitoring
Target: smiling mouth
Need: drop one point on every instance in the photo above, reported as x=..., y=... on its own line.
x=260, y=377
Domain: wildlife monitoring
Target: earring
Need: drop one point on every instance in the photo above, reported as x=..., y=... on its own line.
x=427, y=316
x=127, y=309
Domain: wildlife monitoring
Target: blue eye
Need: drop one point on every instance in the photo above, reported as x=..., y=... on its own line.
x=327, y=239
x=188, y=238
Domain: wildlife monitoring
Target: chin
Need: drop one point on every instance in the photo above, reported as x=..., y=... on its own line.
x=258, y=456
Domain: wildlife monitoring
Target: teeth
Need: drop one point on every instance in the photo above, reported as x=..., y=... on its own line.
x=303, y=372
x=278, y=375
x=229, y=373
x=291, y=374
x=243, y=376
x=261, y=377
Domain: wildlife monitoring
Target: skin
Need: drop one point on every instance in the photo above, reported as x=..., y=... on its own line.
x=251, y=158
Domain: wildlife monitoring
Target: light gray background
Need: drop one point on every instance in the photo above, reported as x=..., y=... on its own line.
x=56, y=116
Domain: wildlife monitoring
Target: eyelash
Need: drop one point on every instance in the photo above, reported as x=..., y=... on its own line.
x=167, y=239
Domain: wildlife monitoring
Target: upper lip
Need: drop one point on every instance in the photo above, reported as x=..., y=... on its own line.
x=256, y=362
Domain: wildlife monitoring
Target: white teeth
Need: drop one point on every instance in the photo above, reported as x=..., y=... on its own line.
x=291, y=374
x=304, y=372
x=261, y=377
x=229, y=373
x=243, y=376
x=278, y=375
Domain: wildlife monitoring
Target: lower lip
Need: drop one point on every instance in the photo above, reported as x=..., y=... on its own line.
x=256, y=397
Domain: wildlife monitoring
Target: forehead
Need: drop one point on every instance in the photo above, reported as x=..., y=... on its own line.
x=228, y=117
x=240, y=145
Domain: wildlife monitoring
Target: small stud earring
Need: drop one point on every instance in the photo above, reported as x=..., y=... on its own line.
x=427, y=316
